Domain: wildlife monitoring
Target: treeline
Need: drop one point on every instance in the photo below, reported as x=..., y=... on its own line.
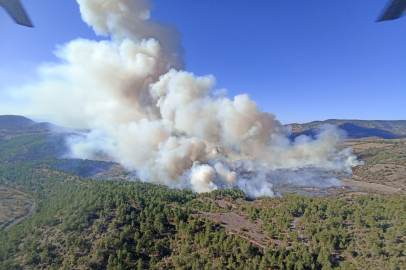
x=393, y=153
x=83, y=167
x=364, y=232
x=30, y=147
x=80, y=223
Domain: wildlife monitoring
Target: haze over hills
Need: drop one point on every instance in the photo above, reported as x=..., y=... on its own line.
x=14, y=124
x=174, y=173
x=55, y=215
x=387, y=129
x=11, y=121
x=22, y=139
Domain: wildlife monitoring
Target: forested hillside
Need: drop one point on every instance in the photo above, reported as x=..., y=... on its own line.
x=80, y=223
x=13, y=121
x=357, y=128
x=86, y=224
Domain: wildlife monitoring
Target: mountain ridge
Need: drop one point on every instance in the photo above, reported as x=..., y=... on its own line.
x=387, y=129
x=7, y=121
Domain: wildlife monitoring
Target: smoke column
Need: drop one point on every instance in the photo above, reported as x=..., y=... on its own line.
x=167, y=124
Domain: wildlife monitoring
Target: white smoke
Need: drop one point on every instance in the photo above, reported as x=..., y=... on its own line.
x=167, y=124
x=257, y=186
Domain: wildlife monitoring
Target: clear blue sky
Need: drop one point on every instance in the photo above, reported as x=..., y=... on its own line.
x=301, y=60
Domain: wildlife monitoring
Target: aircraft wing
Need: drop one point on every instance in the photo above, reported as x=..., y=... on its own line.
x=394, y=10
x=16, y=10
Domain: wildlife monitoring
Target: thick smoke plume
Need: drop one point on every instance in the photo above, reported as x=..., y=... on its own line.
x=167, y=124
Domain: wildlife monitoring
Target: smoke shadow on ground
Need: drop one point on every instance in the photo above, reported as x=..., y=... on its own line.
x=83, y=167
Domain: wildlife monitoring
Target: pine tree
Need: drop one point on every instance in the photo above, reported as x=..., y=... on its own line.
x=140, y=265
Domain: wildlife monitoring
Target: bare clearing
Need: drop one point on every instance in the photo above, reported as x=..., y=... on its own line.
x=359, y=147
x=391, y=172
x=114, y=172
x=372, y=187
x=239, y=224
x=384, y=171
x=13, y=205
x=221, y=203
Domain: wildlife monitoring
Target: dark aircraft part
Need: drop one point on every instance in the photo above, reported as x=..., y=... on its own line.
x=16, y=10
x=394, y=10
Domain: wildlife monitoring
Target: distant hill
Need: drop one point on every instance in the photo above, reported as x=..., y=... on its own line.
x=22, y=139
x=12, y=125
x=357, y=128
x=19, y=125
x=12, y=121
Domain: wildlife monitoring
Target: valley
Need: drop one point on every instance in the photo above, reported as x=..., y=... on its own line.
x=88, y=215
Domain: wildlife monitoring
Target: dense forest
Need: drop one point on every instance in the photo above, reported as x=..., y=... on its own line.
x=80, y=223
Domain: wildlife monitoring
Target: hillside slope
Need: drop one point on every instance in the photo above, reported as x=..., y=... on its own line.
x=14, y=125
x=357, y=128
x=22, y=139
x=12, y=121
x=80, y=223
